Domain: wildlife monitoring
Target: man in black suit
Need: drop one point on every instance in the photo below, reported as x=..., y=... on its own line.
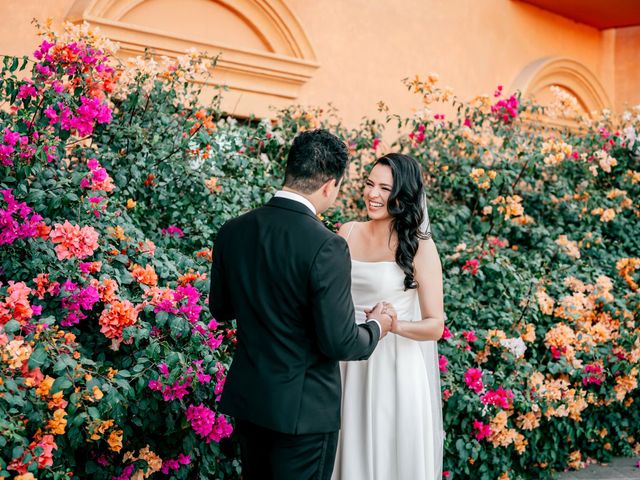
x=286, y=279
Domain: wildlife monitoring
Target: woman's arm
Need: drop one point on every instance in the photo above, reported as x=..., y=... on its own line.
x=428, y=274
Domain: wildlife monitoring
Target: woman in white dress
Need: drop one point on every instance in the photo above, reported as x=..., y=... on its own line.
x=391, y=404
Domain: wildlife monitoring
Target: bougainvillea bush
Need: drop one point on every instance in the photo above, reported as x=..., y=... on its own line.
x=115, y=177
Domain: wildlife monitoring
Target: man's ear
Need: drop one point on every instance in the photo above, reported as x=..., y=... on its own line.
x=328, y=186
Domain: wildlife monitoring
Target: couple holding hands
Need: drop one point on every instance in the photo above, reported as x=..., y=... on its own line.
x=336, y=373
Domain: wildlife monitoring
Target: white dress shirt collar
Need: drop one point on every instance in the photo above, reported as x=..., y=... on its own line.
x=297, y=198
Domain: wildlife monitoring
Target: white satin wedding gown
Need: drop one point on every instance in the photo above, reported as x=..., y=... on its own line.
x=391, y=407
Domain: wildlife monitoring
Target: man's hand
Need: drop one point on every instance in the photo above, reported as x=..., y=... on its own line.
x=384, y=319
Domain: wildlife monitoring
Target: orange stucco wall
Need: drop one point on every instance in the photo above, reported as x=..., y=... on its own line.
x=364, y=48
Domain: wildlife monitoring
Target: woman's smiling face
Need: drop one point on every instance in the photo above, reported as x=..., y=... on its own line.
x=377, y=190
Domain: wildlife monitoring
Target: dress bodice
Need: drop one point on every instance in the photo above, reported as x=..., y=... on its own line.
x=374, y=282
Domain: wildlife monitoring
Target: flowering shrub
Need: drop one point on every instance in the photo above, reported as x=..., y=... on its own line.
x=110, y=363
x=115, y=179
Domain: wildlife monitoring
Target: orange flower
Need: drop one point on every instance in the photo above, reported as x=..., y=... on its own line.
x=43, y=231
x=45, y=386
x=58, y=423
x=212, y=185
x=117, y=232
x=191, y=276
x=131, y=203
x=545, y=302
x=626, y=268
x=207, y=254
x=107, y=289
x=575, y=460
x=146, y=275
x=528, y=421
x=116, y=317
x=115, y=440
x=72, y=241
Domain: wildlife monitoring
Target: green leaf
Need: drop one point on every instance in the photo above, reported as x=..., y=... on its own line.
x=60, y=384
x=12, y=326
x=38, y=358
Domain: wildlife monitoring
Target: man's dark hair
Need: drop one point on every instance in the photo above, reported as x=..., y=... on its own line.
x=315, y=157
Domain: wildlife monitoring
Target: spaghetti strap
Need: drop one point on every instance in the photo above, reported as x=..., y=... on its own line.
x=350, y=230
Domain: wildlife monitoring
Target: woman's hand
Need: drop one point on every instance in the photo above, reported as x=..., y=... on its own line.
x=389, y=309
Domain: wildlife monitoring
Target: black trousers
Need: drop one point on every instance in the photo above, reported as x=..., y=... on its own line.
x=269, y=455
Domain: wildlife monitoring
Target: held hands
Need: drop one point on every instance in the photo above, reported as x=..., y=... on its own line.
x=386, y=316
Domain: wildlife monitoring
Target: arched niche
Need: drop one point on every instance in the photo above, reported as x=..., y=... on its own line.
x=537, y=78
x=265, y=55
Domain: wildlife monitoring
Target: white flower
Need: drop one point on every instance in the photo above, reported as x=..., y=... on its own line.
x=515, y=345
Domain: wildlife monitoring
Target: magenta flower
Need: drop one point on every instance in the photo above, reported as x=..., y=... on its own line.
x=442, y=363
x=206, y=425
x=472, y=266
x=173, y=230
x=17, y=220
x=470, y=336
x=500, y=398
x=482, y=430
x=473, y=379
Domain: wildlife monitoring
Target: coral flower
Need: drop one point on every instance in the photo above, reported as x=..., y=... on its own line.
x=72, y=241
x=116, y=317
x=146, y=275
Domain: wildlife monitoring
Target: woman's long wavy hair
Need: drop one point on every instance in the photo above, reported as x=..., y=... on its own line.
x=405, y=205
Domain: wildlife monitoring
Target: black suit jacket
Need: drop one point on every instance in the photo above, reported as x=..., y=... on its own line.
x=286, y=279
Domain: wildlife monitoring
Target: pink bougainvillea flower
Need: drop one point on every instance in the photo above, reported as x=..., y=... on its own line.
x=482, y=430
x=500, y=398
x=470, y=336
x=173, y=230
x=442, y=363
x=472, y=266
x=473, y=379
x=72, y=241
x=206, y=425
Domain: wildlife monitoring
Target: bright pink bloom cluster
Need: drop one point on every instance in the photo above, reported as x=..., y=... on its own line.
x=482, y=430
x=470, y=336
x=81, y=62
x=180, y=387
x=473, y=379
x=442, y=363
x=594, y=373
x=173, y=464
x=500, y=398
x=506, y=109
x=17, y=220
x=80, y=301
x=126, y=473
x=446, y=333
x=90, y=112
x=11, y=142
x=220, y=379
x=205, y=423
x=418, y=135
x=173, y=230
x=97, y=178
x=472, y=266
x=72, y=241
x=375, y=144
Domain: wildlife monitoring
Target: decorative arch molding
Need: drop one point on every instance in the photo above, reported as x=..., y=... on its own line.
x=567, y=74
x=265, y=55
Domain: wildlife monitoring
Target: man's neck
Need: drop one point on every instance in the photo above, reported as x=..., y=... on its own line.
x=310, y=198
